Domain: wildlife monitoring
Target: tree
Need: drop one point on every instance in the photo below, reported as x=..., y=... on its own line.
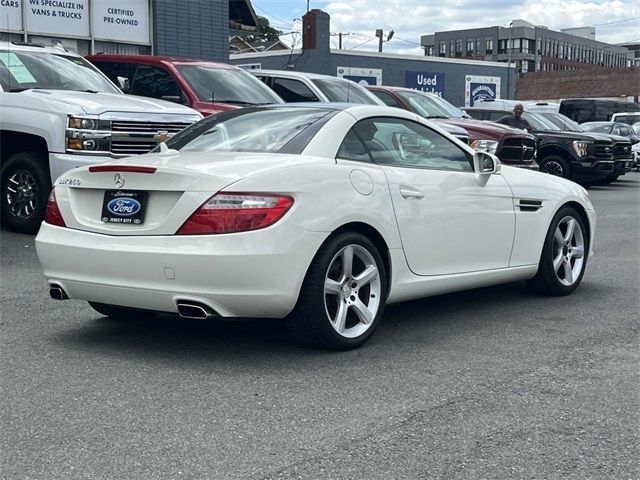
x=266, y=33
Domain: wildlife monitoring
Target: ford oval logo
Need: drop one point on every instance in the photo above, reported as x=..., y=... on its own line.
x=123, y=207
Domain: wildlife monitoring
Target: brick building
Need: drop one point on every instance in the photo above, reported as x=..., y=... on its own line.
x=621, y=83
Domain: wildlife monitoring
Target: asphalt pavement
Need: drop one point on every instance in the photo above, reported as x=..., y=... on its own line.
x=495, y=383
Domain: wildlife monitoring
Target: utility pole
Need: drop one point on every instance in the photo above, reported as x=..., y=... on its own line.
x=340, y=35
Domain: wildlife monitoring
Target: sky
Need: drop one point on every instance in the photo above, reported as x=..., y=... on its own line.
x=616, y=21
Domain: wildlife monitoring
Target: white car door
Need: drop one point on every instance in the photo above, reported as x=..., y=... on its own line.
x=450, y=221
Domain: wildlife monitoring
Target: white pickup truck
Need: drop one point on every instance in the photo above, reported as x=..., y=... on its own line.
x=57, y=112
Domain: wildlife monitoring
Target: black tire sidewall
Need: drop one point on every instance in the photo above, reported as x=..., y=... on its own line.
x=36, y=165
x=566, y=168
x=311, y=302
x=546, y=262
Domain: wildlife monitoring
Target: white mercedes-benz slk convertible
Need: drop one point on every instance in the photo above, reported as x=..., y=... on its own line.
x=320, y=214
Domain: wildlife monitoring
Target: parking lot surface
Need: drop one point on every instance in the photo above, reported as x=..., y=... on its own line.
x=491, y=383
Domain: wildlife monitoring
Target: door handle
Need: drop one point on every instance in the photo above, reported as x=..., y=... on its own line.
x=408, y=192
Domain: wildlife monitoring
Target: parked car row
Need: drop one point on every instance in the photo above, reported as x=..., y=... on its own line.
x=584, y=156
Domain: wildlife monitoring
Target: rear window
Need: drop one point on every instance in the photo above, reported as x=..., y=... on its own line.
x=248, y=130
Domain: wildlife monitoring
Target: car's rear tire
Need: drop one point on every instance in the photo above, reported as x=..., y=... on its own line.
x=123, y=313
x=24, y=191
x=343, y=295
x=555, y=165
x=564, y=255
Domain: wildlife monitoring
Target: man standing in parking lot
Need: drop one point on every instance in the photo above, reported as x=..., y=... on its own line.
x=516, y=120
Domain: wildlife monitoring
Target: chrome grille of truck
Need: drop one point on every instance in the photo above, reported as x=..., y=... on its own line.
x=135, y=138
x=517, y=149
x=146, y=127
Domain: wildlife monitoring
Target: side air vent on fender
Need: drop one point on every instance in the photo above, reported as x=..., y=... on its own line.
x=529, y=205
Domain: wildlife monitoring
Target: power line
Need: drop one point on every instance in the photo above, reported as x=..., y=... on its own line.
x=363, y=43
x=273, y=16
x=612, y=23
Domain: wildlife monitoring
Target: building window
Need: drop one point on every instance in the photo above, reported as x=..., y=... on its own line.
x=470, y=45
x=442, y=52
x=502, y=46
x=451, y=48
x=488, y=45
x=429, y=50
x=458, y=48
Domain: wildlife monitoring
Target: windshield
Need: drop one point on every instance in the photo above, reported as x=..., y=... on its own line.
x=227, y=85
x=20, y=70
x=538, y=122
x=247, y=130
x=597, y=127
x=429, y=107
x=344, y=91
x=564, y=123
x=629, y=119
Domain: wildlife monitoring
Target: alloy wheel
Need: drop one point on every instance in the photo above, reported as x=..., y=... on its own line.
x=22, y=194
x=568, y=251
x=553, y=168
x=352, y=291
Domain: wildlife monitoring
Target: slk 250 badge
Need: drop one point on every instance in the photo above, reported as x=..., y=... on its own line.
x=69, y=181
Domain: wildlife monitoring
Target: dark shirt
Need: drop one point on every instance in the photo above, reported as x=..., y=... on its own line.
x=514, y=122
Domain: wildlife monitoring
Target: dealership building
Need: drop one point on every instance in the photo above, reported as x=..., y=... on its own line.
x=196, y=29
x=460, y=81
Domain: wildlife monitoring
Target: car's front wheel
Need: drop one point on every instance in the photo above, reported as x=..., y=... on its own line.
x=123, y=313
x=555, y=165
x=343, y=295
x=564, y=255
x=25, y=189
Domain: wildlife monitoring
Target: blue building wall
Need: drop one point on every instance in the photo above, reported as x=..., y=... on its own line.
x=191, y=28
x=395, y=68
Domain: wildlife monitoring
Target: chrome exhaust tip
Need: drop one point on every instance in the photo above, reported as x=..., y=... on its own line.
x=194, y=310
x=57, y=293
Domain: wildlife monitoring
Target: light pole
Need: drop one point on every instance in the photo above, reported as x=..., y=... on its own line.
x=380, y=35
x=509, y=61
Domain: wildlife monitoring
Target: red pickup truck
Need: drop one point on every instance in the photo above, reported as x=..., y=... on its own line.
x=207, y=87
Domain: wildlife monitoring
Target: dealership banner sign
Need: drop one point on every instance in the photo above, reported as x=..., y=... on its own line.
x=58, y=17
x=117, y=20
x=123, y=21
x=480, y=88
x=10, y=15
x=363, y=76
x=430, y=82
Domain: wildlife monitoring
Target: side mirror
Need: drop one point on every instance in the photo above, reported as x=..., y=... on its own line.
x=485, y=163
x=123, y=83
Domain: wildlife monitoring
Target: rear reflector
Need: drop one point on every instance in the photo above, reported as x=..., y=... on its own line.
x=236, y=212
x=121, y=168
x=52, y=215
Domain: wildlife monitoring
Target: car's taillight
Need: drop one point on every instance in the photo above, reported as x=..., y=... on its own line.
x=232, y=212
x=52, y=215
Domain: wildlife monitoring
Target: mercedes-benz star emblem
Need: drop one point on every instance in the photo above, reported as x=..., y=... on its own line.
x=119, y=179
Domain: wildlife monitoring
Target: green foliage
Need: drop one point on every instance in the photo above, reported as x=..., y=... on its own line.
x=266, y=33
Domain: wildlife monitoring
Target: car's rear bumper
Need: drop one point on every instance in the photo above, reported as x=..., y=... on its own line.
x=252, y=274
